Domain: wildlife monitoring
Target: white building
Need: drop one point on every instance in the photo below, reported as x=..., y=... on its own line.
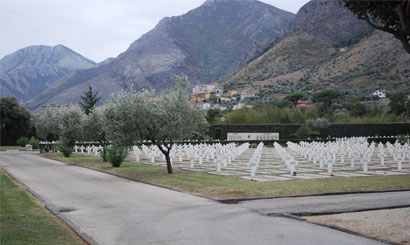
x=206, y=106
x=253, y=136
x=206, y=88
x=380, y=93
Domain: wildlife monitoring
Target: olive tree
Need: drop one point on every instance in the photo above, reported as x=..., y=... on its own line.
x=47, y=124
x=93, y=128
x=161, y=119
x=70, y=125
x=121, y=117
x=171, y=119
x=63, y=124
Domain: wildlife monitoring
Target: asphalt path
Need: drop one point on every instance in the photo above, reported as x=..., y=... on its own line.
x=109, y=210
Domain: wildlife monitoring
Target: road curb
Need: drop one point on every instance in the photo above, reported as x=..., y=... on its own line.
x=54, y=210
x=238, y=200
x=350, y=211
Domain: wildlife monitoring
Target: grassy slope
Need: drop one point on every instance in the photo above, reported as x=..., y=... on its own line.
x=24, y=221
x=297, y=65
x=231, y=186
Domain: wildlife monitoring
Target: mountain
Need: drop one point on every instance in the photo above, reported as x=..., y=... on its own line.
x=328, y=48
x=106, y=61
x=209, y=43
x=31, y=70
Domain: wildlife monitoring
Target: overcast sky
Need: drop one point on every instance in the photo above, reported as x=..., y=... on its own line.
x=97, y=29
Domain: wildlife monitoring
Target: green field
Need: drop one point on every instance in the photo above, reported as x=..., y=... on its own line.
x=222, y=187
x=24, y=221
x=14, y=147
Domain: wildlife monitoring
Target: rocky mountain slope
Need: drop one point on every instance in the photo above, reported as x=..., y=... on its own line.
x=208, y=44
x=328, y=48
x=31, y=70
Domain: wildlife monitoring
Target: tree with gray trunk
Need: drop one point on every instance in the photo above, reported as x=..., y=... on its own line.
x=162, y=120
x=92, y=129
x=63, y=124
x=47, y=124
x=70, y=125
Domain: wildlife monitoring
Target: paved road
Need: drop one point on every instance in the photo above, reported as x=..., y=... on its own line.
x=111, y=210
x=329, y=204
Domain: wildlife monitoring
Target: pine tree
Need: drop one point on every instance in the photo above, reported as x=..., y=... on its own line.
x=89, y=100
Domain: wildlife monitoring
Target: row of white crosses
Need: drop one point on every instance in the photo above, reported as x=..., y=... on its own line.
x=356, y=148
x=399, y=153
x=255, y=159
x=289, y=160
x=89, y=149
x=218, y=153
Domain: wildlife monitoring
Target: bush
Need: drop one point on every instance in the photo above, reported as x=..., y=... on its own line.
x=34, y=142
x=314, y=134
x=302, y=132
x=116, y=155
x=318, y=124
x=403, y=139
x=22, y=141
x=66, y=150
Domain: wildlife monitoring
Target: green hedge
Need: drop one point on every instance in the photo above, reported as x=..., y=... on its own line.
x=335, y=130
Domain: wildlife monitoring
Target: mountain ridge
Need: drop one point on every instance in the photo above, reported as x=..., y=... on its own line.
x=28, y=71
x=315, y=57
x=208, y=44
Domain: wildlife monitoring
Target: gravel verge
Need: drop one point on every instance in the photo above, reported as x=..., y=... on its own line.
x=389, y=224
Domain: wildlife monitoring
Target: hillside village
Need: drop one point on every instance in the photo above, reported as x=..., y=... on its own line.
x=213, y=96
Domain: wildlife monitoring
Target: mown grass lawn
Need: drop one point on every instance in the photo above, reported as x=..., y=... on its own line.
x=222, y=187
x=14, y=147
x=24, y=221
x=5, y=148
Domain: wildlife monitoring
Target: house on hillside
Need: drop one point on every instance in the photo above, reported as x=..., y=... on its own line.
x=206, y=89
x=301, y=103
x=380, y=93
x=245, y=95
x=224, y=99
x=231, y=93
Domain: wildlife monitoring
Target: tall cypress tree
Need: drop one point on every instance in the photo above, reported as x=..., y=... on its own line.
x=89, y=100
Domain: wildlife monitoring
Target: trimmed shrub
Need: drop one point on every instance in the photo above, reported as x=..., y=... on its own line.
x=34, y=142
x=314, y=134
x=116, y=155
x=22, y=141
x=403, y=139
x=66, y=150
x=302, y=133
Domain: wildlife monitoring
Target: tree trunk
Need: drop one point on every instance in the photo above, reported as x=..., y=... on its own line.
x=166, y=153
x=169, y=166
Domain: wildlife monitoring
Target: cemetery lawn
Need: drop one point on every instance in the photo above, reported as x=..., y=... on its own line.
x=225, y=187
x=5, y=148
x=25, y=221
